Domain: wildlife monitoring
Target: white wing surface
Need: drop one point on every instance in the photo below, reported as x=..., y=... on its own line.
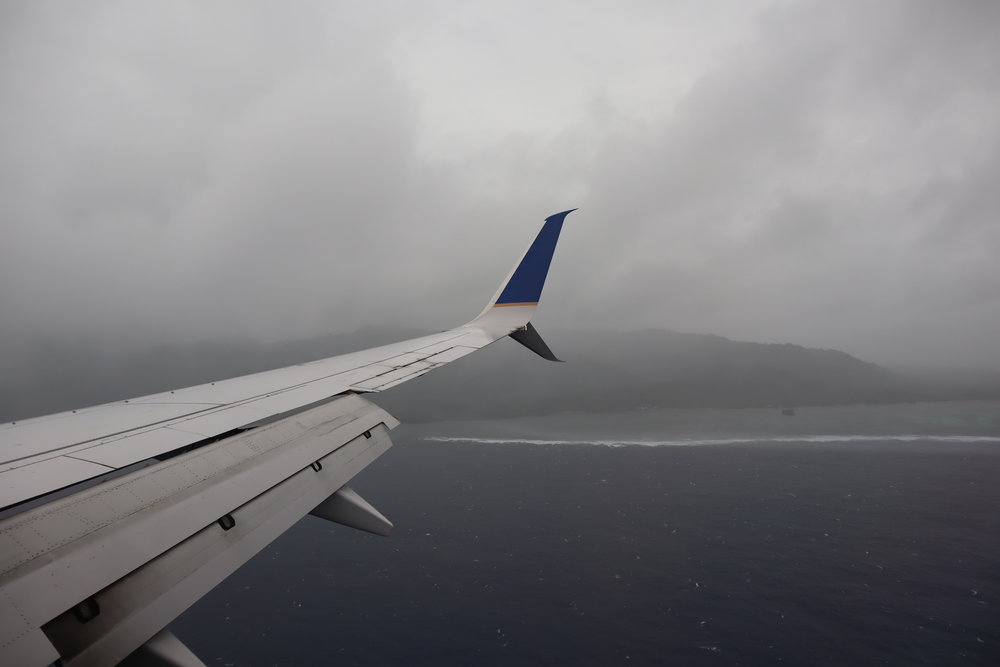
x=118, y=517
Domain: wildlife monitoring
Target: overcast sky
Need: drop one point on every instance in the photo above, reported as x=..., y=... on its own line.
x=823, y=173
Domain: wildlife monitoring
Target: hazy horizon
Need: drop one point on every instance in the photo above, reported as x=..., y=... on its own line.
x=604, y=371
x=373, y=334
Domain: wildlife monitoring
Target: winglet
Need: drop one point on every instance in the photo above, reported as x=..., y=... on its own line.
x=528, y=337
x=524, y=285
x=509, y=311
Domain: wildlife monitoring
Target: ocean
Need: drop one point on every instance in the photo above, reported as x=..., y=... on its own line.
x=863, y=535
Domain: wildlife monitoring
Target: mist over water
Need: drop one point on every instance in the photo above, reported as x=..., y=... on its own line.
x=729, y=441
x=945, y=422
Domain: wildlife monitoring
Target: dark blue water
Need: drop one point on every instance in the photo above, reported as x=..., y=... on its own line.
x=838, y=536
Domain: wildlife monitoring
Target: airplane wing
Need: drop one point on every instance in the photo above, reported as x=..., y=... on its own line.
x=114, y=519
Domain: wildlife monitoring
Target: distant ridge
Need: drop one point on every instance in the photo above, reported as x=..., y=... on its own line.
x=604, y=371
x=652, y=368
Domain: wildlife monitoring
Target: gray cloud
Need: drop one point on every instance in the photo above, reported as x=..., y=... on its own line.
x=808, y=172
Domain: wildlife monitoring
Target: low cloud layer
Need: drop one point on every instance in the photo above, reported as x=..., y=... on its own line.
x=818, y=173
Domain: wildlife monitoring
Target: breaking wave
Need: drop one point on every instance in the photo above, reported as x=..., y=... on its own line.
x=723, y=441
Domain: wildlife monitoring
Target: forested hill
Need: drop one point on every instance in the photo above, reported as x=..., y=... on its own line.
x=653, y=368
x=603, y=371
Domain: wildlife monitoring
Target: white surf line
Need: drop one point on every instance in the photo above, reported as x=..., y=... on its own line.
x=722, y=441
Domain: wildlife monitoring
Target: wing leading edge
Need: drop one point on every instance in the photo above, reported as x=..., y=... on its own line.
x=41, y=455
x=178, y=489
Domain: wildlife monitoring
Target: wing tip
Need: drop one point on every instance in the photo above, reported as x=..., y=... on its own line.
x=562, y=215
x=524, y=286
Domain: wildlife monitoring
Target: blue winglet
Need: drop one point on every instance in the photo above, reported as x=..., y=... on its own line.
x=525, y=285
